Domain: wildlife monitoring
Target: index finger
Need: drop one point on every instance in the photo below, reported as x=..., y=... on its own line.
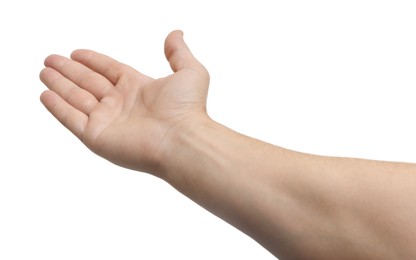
x=100, y=63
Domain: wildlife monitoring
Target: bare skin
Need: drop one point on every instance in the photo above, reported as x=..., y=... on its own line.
x=296, y=205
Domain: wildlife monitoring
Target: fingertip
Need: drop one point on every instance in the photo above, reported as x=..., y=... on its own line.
x=80, y=53
x=173, y=39
x=46, y=94
x=45, y=71
x=49, y=60
x=175, y=33
x=46, y=97
x=42, y=74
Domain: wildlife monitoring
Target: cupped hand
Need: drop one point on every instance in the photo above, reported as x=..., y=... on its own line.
x=119, y=113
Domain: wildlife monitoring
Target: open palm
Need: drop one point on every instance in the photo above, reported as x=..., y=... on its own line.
x=118, y=112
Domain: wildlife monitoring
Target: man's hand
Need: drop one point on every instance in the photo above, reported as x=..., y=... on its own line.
x=119, y=113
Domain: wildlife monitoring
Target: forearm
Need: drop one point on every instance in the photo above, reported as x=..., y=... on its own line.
x=227, y=173
x=296, y=205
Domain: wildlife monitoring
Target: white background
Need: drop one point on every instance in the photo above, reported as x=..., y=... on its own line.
x=325, y=77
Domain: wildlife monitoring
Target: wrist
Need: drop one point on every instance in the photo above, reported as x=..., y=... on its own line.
x=179, y=137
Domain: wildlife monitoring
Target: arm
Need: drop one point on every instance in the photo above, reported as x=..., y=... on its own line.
x=298, y=206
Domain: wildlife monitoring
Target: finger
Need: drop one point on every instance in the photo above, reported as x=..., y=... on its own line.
x=71, y=93
x=100, y=63
x=81, y=75
x=178, y=53
x=70, y=117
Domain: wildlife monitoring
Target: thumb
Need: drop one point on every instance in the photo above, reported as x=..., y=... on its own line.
x=178, y=53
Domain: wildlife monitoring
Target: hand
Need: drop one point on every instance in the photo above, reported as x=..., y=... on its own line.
x=119, y=113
